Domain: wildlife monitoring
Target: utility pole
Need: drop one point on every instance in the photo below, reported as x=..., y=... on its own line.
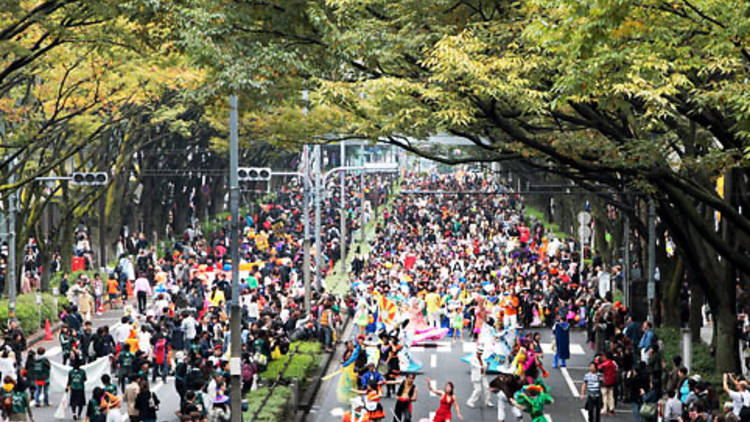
x=306, y=222
x=651, y=258
x=318, y=193
x=626, y=261
x=362, y=201
x=343, y=211
x=234, y=328
x=10, y=269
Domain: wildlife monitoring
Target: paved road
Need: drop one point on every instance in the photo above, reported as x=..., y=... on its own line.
x=166, y=392
x=443, y=364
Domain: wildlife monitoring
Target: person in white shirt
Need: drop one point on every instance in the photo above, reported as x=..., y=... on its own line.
x=189, y=328
x=122, y=331
x=478, y=380
x=740, y=398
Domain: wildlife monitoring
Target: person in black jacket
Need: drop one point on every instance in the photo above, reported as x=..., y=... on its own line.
x=147, y=403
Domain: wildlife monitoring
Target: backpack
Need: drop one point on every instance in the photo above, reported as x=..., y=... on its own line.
x=248, y=370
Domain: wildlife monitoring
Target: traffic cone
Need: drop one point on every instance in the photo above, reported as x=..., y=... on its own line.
x=47, y=331
x=130, y=289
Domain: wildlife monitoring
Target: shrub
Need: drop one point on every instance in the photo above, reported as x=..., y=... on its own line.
x=31, y=316
x=273, y=409
x=702, y=361
x=307, y=347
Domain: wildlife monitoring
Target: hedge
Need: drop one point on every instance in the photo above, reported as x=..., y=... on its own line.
x=28, y=312
x=273, y=409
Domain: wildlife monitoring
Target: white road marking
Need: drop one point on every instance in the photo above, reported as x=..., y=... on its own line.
x=432, y=415
x=469, y=347
x=416, y=349
x=434, y=387
x=338, y=412
x=444, y=349
x=570, y=382
x=575, y=349
x=548, y=416
x=156, y=387
x=585, y=415
x=433, y=360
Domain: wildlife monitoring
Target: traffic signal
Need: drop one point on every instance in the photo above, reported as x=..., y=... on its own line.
x=253, y=174
x=90, y=178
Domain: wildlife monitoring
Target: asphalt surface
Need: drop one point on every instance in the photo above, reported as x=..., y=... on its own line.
x=170, y=400
x=443, y=364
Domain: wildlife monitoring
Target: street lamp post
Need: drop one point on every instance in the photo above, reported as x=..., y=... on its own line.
x=318, y=192
x=234, y=323
x=342, y=247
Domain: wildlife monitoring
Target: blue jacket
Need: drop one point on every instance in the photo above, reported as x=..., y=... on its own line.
x=645, y=342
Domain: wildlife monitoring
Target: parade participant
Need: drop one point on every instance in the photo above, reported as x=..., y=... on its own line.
x=505, y=386
x=406, y=394
x=592, y=383
x=480, y=386
x=93, y=408
x=76, y=385
x=40, y=373
x=357, y=412
x=371, y=375
x=392, y=363
x=373, y=396
x=447, y=402
x=562, y=342
x=532, y=399
x=20, y=404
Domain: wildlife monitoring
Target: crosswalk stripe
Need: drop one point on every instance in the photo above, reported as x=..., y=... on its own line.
x=548, y=416
x=469, y=347
x=569, y=381
x=432, y=415
x=575, y=349
x=434, y=387
x=433, y=360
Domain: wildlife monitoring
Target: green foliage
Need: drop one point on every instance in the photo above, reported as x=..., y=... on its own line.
x=300, y=366
x=702, y=361
x=273, y=410
x=550, y=227
x=306, y=347
x=31, y=316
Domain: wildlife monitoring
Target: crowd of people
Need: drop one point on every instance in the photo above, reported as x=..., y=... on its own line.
x=472, y=267
x=477, y=267
x=175, y=314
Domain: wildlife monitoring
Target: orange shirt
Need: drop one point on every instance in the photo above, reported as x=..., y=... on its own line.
x=113, y=286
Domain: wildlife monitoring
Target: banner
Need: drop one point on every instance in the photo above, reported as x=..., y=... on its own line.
x=94, y=372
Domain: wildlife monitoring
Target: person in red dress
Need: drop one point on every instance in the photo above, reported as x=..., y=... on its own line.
x=447, y=400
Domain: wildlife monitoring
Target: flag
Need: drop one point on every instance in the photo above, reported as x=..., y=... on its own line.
x=388, y=310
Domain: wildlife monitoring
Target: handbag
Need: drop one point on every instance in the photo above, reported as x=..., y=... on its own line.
x=648, y=410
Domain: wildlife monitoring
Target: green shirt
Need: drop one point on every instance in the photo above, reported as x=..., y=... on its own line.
x=126, y=361
x=19, y=402
x=111, y=389
x=77, y=379
x=40, y=369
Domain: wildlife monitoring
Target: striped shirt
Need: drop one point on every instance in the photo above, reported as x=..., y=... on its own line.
x=593, y=382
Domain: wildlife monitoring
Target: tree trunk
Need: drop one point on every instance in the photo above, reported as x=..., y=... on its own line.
x=727, y=347
x=696, y=317
x=671, y=296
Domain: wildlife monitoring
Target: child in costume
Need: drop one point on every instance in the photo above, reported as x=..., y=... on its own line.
x=532, y=399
